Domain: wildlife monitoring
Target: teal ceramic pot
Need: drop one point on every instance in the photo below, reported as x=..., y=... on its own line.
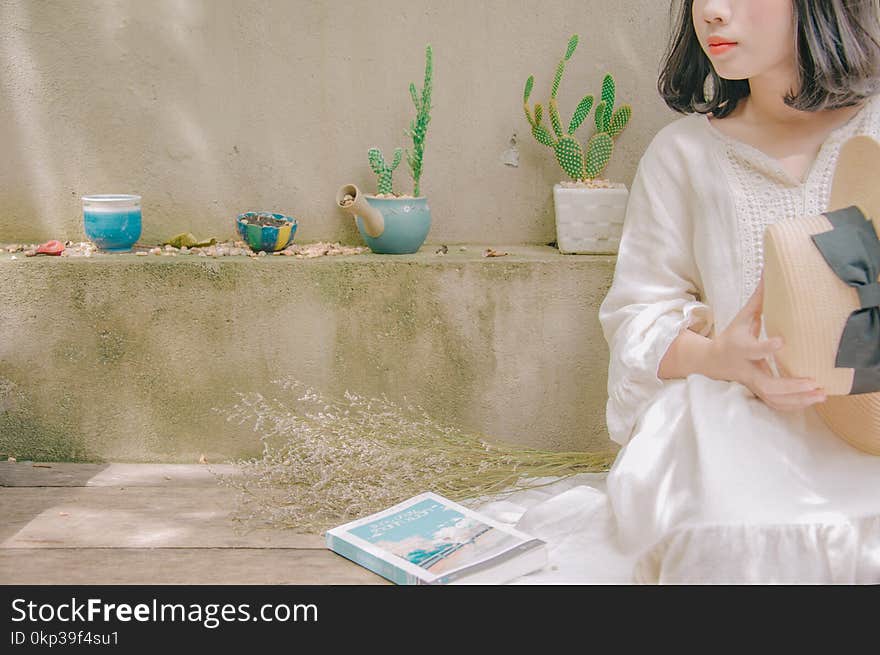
x=112, y=221
x=407, y=222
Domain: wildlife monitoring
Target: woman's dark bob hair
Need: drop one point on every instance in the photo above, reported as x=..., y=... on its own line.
x=837, y=46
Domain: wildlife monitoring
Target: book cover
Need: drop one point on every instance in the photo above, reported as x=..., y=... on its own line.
x=430, y=539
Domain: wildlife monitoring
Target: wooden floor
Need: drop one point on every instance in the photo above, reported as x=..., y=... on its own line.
x=63, y=523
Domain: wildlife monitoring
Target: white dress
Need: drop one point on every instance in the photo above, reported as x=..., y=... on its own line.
x=711, y=485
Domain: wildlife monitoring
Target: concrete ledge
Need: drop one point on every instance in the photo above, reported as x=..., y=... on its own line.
x=131, y=358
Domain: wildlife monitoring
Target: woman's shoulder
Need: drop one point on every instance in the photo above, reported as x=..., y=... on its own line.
x=683, y=130
x=870, y=119
x=680, y=144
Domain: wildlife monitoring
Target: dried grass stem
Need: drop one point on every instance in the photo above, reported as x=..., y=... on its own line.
x=342, y=460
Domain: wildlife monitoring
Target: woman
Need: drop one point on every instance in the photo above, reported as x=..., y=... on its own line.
x=727, y=474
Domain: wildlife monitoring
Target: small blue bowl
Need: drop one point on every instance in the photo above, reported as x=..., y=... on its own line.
x=112, y=221
x=267, y=238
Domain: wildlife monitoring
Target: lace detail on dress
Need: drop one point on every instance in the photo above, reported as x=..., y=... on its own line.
x=765, y=193
x=760, y=199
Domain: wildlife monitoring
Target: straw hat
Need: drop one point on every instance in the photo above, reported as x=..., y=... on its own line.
x=821, y=294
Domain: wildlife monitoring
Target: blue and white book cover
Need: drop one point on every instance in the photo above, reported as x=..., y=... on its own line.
x=429, y=539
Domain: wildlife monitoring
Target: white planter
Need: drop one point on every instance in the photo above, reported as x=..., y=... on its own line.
x=589, y=221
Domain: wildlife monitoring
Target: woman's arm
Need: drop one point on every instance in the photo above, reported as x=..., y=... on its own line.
x=655, y=293
x=739, y=355
x=690, y=353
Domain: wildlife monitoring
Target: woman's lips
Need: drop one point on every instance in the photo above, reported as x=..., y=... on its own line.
x=719, y=48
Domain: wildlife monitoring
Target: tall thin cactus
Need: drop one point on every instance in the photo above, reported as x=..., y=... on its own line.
x=569, y=154
x=419, y=126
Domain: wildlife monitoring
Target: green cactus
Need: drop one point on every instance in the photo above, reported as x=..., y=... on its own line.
x=419, y=126
x=377, y=163
x=569, y=153
x=599, y=151
x=582, y=111
x=570, y=156
x=606, y=121
x=619, y=120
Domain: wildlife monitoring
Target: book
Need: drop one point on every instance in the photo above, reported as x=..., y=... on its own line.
x=430, y=539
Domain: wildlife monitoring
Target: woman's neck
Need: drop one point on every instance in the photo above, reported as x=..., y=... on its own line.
x=765, y=107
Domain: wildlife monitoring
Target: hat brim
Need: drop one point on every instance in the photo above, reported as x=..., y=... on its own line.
x=855, y=177
x=794, y=271
x=856, y=418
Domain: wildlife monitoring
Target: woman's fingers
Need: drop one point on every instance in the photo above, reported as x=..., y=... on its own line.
x=784, y=372
x=753, y=305
x=755, y=330
x=794, y=400
x=786, y=394
x=764, y=365
x=757, y=299
x=766, y=348
x=769, y=385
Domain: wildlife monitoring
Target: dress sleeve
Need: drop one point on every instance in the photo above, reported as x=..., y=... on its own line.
x=654, y=294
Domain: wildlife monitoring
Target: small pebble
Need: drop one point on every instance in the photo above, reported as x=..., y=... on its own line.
x=224, y=249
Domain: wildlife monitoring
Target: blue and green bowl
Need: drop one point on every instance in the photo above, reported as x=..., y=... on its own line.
x=268, y=238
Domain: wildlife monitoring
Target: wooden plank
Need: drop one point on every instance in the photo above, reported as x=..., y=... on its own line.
x=47, y=474
x=18, y=507
x=72, y=474
x=185, y=566
x=148, y=517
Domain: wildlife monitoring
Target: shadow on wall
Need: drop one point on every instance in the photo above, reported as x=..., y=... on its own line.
x=208, y=109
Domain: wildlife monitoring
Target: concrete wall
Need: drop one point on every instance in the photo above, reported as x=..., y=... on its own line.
x=126, y=358
x=212, y=107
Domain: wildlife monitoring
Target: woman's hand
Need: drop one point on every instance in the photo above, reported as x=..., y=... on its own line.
x=740, y=356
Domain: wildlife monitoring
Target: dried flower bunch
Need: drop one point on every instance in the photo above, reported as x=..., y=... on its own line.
x=343, y=460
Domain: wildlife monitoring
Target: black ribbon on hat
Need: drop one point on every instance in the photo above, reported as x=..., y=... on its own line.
x=852, y=250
